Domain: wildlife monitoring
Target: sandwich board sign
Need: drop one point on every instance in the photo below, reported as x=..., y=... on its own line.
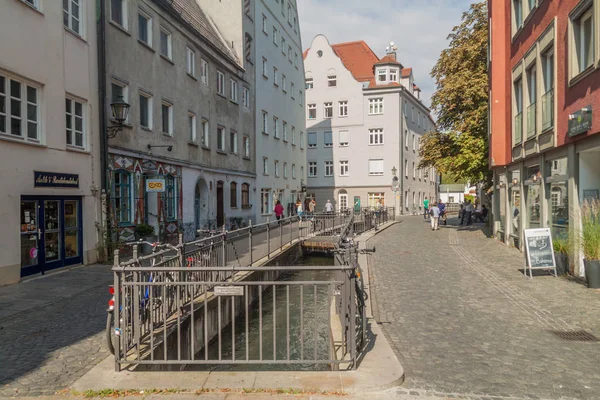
x=539, y=252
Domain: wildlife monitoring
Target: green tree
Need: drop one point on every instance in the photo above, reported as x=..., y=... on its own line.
x=459, y=146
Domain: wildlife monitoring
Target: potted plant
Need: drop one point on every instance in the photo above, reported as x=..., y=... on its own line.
x=590, y=241
x=561, y=248
x=145, y=232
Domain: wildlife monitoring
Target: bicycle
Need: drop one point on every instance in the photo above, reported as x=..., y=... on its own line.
x=316, y=223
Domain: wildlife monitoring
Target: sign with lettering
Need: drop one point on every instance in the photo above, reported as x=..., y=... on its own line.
x=539, y=252
x=155, y=185
x=580, y=121
x=590, y=194
x=54, y=179
x=229, y=290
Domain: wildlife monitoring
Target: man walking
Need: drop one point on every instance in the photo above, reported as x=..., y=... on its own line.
x=426, y=208
x=435, y=217
x=329, y=207
x=469, y=211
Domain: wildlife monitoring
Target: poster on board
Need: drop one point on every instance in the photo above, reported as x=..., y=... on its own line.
x=539, y=251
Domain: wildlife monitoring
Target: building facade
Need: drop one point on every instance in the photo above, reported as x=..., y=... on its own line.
x=49, y=118
x=364, y=119
x=191, y=121
x=544, y=113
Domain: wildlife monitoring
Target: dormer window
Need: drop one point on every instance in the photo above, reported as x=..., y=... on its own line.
x=394, y=75
x=381, y=75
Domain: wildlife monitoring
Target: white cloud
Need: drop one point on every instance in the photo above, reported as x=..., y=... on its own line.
x=418, y=27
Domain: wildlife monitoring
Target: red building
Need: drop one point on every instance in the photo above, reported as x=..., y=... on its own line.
x=544, y=112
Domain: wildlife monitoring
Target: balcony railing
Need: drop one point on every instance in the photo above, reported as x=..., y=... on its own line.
x=548, y=110
x=531, y=116
x=518, y=129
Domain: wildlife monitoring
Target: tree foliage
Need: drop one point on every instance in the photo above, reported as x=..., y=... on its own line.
x=460, y=145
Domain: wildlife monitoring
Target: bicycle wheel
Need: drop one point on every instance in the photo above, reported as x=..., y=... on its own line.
x=109, y=333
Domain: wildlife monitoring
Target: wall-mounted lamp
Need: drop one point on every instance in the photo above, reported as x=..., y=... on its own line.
x=515, y=181
x=168, y=146
x=502, y=184
x=120, y=111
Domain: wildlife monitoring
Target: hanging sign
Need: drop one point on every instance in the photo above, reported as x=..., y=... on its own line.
x=155, y=185
x=539, y=252
x=54, y=179
x=580, y=121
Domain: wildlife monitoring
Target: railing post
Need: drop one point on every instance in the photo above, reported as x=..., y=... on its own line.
x=268, y=238
x=117, y=312
x=281, y=235
x=250, y=241
x=224, y=250
x=291, y=230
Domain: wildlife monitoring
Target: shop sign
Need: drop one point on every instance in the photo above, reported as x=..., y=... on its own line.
x=539, y=252
x=155, y=185
x=54, y=179
x=580, y=121
x=590, y=194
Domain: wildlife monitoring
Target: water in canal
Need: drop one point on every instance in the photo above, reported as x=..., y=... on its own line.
x=308, y=330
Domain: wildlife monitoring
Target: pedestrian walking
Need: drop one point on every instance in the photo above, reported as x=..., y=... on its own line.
x=329, y=207
x=442, y=208
x=434, y=212
x=463, y=212
x=426, y=208
x=312, y=205
x=469, y=211
x=278, y=210
x=299, y=209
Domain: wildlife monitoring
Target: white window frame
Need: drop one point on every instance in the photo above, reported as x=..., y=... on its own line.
x=406, y=138
x=414, y=142
x=149, y=29
x=331, y=80
x=70, y=114
x=246, y=144
x=264, y=24
x=393, y=75
x=221, y=138
x=376, y=106
x=192, y=128
x=233, y=142
x=276, y=167
x=68, y=13
x=328, y=105
x=285, y=131
x=169, y=37
x=343, y=108
x=293, y=91
x=23, y=99
x=374, y=171
x=293, y=171
x=204, y=71
x=169, y=106
x=293, y=135
x=346, y=142
x=376, y=137
x=578, y=24
x=275, y=77
x=265, y=122
x=329, y=172
x=312, y=169
x=124, y=14
x=220, y=83
x=275, y=40
x=265, y=201
x=245, y=97
x=264, y=68
x=344, y=168
x=205, y=132
x=315, y=144
x=275, y=127
x=381, y=72
x=312, y=107
x=285, y=170
x=190, y=56
x=283, y=83
x=309, y=83
x=233, y=90
x=149, y=110
x=32, y=3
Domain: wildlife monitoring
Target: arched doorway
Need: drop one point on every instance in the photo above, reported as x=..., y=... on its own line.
x=342, y=200
x=201, y=205
x=220, y=205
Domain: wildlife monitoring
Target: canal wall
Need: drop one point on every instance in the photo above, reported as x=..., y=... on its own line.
x=218, y=308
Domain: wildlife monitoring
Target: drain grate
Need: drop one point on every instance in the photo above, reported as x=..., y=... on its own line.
x=576, y=336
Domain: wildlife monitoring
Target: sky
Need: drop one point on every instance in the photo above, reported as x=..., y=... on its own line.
x=418, y=27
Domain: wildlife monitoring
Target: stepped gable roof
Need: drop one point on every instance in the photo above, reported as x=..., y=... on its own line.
x=191, y=13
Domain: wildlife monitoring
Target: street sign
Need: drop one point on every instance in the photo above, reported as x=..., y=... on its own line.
x=229, y=290
x=155, y=185
x=539, y=252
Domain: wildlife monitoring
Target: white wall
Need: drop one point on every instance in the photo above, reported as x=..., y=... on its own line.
x=589, y=165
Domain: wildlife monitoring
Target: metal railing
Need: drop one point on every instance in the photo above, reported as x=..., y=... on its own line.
x=518, y=129
x=154, y=294
x=531, y=120
x=548, y=110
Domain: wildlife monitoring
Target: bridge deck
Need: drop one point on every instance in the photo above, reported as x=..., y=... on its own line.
x=321, y=243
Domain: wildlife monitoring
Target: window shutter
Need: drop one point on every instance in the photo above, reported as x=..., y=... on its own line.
x=344, y=137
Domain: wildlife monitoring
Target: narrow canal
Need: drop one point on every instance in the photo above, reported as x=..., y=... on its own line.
x=294, y=329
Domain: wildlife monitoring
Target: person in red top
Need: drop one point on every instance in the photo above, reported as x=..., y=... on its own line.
x=278, y=210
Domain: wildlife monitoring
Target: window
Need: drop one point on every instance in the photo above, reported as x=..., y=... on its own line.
x=296, y=60
x=375, y=137
x=406, y=168
x=548, y=97
x=248, y=8
x=518, y=112
x=264, y=24
x=144, y=28
x=233, y=195
x=19, y=109
x=72, y=15
x=283, y=45
x=220, y=138
x=233, y=91
x=312, y=169
x=293, y=135
x=283, y=83
x=276, y=165
x=192, y=127
x=531, y=108
x=265, y=128
x=289, y=15
x=75, y=123
x=233, y=139
x=332, y=81
x=293, y=90
x=245, y=195
x=166, y=43
x=293, y=171
x=343, y=168
x=285, y=170
x=583, y=32
x=167, y=118
x=248, y=47
x=312, y=111
x=205, y=133
x=344, y=138
x=33, y=3
x=220, y=83
x=276, y=127
x=312, y=140
x=204, y=71
x=419, y=118
x=412, y=115
x=414, y=141
x=393, y=75
x=328, y=139
x=328, y=107
x=122, y=196
x=246, y=97
x=145, y=110
x=118, y=12
x=376, y=106
x=376, y=167
x=246, y=145
x=309, y=83
x=285, y=131
x=170, y=197
x=414, y=171
x=406, y=138
x=265, y=166
x=290, y=53
x=264, y=67
x=190, y=61
x=328, y=168
x=265, y=201
x=301, y=140
x=381, y=75
x=275, y=79
x=301, y=98
x=343, y=108
x=275, y=42
x=518, y=14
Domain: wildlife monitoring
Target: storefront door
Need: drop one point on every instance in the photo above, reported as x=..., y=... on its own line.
x=50, y=233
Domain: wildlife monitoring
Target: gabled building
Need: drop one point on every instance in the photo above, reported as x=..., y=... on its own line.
x=364, y=122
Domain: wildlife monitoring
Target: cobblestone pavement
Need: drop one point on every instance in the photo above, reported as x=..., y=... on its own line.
x=465, y=322
x=46, y=348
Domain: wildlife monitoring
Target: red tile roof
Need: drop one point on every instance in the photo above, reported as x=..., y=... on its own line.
x=415, y=87
x=358, y=59
x=406, y=72
x=388, y=59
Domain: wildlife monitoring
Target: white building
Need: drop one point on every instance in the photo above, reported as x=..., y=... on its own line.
x=273, y=46
x=364, y=118
x=49, y=150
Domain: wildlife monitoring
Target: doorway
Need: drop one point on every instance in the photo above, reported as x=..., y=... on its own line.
x=51, y=234
x=220, y=205
x=201, y=205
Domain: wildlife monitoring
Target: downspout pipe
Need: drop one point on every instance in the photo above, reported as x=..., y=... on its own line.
x=401, y=166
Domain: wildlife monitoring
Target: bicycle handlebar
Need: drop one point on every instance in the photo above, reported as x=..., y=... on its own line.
x=155, y=246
